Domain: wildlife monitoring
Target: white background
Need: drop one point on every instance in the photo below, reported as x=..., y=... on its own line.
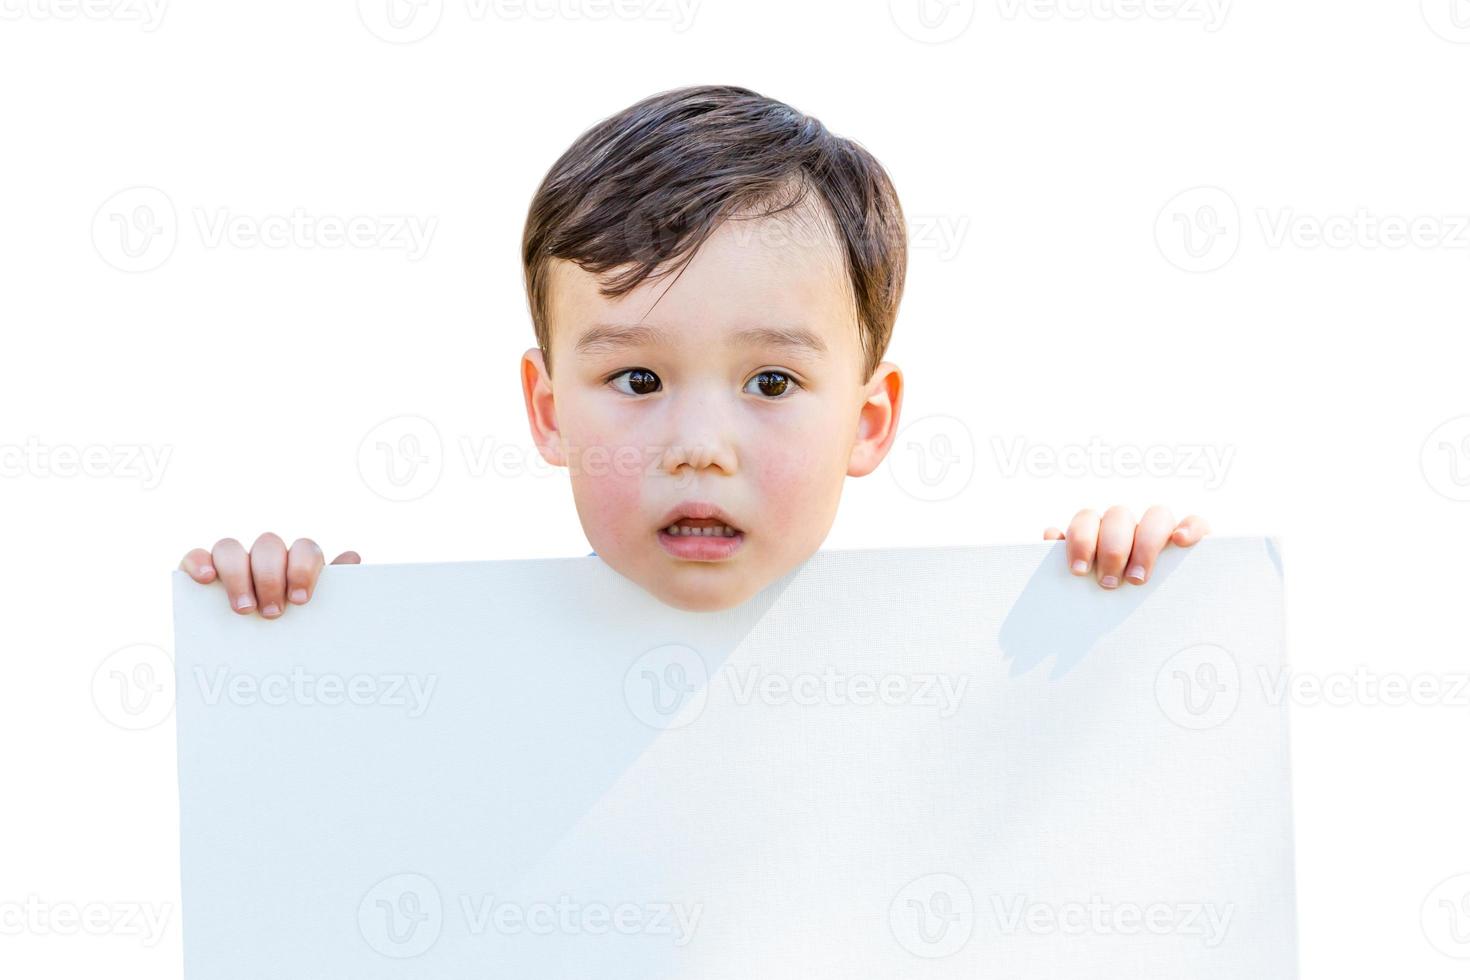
x=1189, y=226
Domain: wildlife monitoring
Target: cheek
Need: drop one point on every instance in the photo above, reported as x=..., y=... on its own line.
x=799, y=475
x=607, y=477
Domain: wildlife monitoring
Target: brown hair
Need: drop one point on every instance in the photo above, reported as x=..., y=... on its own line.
x=651, y=183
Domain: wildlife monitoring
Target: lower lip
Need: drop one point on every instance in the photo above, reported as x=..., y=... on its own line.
x=700, y=547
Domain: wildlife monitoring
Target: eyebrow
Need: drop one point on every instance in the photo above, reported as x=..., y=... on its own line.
x=608, y=337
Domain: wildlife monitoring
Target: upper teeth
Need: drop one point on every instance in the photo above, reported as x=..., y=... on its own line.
x=721, y=530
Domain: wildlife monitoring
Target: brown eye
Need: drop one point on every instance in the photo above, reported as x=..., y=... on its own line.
x=773, y=384
x=641, y=381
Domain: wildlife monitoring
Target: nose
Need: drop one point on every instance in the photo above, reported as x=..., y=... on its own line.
x=701, y=437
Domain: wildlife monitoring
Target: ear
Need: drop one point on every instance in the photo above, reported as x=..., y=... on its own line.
x=541, y=407
x=878, y=420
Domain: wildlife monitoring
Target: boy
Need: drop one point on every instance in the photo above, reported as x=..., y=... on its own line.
x=713, y=278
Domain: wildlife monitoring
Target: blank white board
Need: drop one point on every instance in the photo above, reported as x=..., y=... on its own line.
x=897, y=762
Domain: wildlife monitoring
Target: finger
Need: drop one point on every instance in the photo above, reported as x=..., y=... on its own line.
x=347, y=558
x=303, y=565
x=233, y=566
x=199, y=566
x=1051, y=534
x=1114, y=542
x=268, y=572
x=1082, y=541
x=1190, y=530
x=1149, y=539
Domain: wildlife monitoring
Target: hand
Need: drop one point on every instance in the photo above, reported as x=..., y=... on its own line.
x=267, y=577
x=1117, y=543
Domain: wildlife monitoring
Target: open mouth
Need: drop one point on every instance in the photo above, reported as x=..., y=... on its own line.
x=700, y=531
x=701, y=528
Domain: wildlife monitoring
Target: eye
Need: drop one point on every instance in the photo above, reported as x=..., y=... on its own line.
x=641, y=381
x=775, y=384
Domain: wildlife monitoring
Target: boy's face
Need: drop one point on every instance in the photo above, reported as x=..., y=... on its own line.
x=653, y=407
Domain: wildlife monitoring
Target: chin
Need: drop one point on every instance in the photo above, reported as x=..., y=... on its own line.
x=709, y=596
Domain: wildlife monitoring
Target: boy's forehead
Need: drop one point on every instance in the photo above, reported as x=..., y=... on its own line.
x=752, y=280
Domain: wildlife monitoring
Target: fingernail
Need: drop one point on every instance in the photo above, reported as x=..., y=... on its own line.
x=1079, y=567
x=271, y=610
x=298, y=595
x=244, y=602
x=1137, y=574
x=1110, y=581
x=206, y=569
